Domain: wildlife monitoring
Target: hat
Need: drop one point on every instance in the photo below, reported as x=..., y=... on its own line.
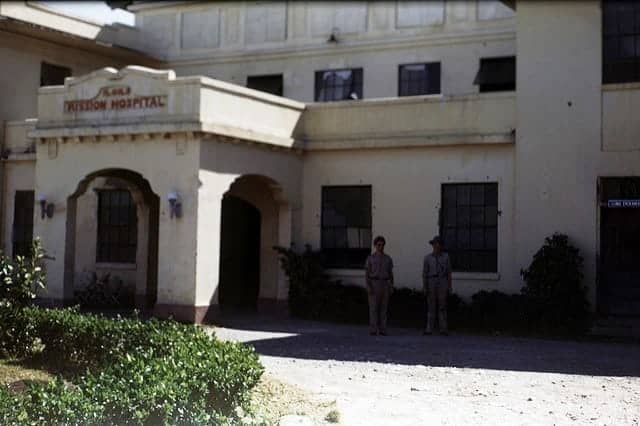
x=436, y=239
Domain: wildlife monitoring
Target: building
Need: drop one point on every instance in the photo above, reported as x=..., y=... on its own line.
x=219, y=130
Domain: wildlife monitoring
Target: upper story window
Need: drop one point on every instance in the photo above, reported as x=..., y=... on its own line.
x=496, y=74
x=621, y=41
x=419, y=79
x=338, y=85
x=53, y=75
x=266, y=83
x=346, y=226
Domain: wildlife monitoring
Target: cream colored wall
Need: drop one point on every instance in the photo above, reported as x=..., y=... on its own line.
x=221, y=163
x=563, y=145
x=406, y=185
x=133, y=275
x=233, y=40
x=59, y=177
x=20, y=79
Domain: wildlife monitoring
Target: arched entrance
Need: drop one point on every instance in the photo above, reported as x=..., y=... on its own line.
x=112, y=236
x=240, y=254
x=253, y=216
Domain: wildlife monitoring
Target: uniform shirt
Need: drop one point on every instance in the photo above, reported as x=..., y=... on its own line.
x=436, y=266
x=379, y=267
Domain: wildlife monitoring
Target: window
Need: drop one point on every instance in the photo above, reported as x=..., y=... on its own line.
x=419, y=79
x=496, y=74
x=117, y=227
x=346, y=226
x=621, y=41
x=22, y=237
x=53, y=75
x=338, y=85
x=266, y=83
x=469, y=226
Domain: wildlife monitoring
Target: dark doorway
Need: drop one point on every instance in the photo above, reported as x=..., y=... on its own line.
x=239, y=255
x=619, y=273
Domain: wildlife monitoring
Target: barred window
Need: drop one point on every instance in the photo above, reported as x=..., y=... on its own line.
x=346, y=226
x=338, y=85
x=419, y=79
x=621, y=41
x=22, y=238
x=469, y=226
x=117, y=227
x=53, y=75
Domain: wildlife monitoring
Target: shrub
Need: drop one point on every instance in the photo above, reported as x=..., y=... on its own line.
x=135, y=372
x=104, y=292
x=20, y=278
x=557, y=297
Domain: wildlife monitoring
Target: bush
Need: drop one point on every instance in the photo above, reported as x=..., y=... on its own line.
x=556, y=295
x=20, y=278
x=104, y=292
x=135, y=372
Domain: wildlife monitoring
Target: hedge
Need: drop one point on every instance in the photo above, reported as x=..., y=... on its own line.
x=132, y=372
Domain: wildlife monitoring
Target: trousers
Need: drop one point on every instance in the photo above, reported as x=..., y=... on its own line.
x=437, y=291
x=378, y=303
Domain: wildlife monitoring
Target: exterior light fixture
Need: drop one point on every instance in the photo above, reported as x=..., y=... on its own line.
x=46, y=209
x=175, y=206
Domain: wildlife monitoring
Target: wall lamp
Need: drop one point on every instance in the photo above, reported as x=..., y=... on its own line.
x=175, y=206
x=46, y=208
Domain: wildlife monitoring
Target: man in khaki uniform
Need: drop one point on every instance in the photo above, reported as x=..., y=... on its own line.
x=436, y=282
x=379, y=278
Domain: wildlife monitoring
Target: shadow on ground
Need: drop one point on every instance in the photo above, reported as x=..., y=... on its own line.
x=300, y=339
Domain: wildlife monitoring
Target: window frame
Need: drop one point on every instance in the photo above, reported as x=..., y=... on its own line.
x=490, y=269
x=354, y=252
x=496, y=87
x=438, y=65
x=267, y=76
x=22, y=223
x=357, y=77
x=63, y=70
x=620, y=69
x=107, y=255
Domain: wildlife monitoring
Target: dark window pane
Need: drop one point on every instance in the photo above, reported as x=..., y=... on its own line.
x=496, y=74
x=53, y=75
x=419, y=79
x=346, y=225
x=469, y=225
x=266, y=83
x=23, y=223
x=117, y=227
x=621, y=38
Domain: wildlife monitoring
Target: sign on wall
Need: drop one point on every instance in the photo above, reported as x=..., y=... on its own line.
x=623, y=203
x=111, y=98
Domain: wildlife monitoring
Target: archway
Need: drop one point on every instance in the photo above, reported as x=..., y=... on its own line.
x=255, y=218
x=112, y=231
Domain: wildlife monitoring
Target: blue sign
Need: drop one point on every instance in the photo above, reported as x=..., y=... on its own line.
x=623, y=203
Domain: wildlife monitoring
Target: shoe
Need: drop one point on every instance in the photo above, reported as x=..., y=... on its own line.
x=444, y=333
x=383, y=333
x=426, y=333
x=373, y=333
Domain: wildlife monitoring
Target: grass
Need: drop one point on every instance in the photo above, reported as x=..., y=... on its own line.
x=13, y=370
x=273, y=399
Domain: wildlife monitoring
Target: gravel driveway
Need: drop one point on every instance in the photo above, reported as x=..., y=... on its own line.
x=410, y=379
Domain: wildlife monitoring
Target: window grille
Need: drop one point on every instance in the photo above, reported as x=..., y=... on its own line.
x=117, y=227
x=419, y=79
x=338, y=85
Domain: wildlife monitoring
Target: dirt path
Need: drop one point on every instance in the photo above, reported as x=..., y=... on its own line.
x=408, y=379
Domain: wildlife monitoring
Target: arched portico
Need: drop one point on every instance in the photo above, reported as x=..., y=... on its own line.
x=112, y=228
x=252, y=211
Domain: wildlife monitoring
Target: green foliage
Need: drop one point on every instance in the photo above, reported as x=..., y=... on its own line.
x=20, y=278
x=553, y=302
x=557, y=297
x=104, y=292
x=134, y=372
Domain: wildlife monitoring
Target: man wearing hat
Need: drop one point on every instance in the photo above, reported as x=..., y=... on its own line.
x=436, y=282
